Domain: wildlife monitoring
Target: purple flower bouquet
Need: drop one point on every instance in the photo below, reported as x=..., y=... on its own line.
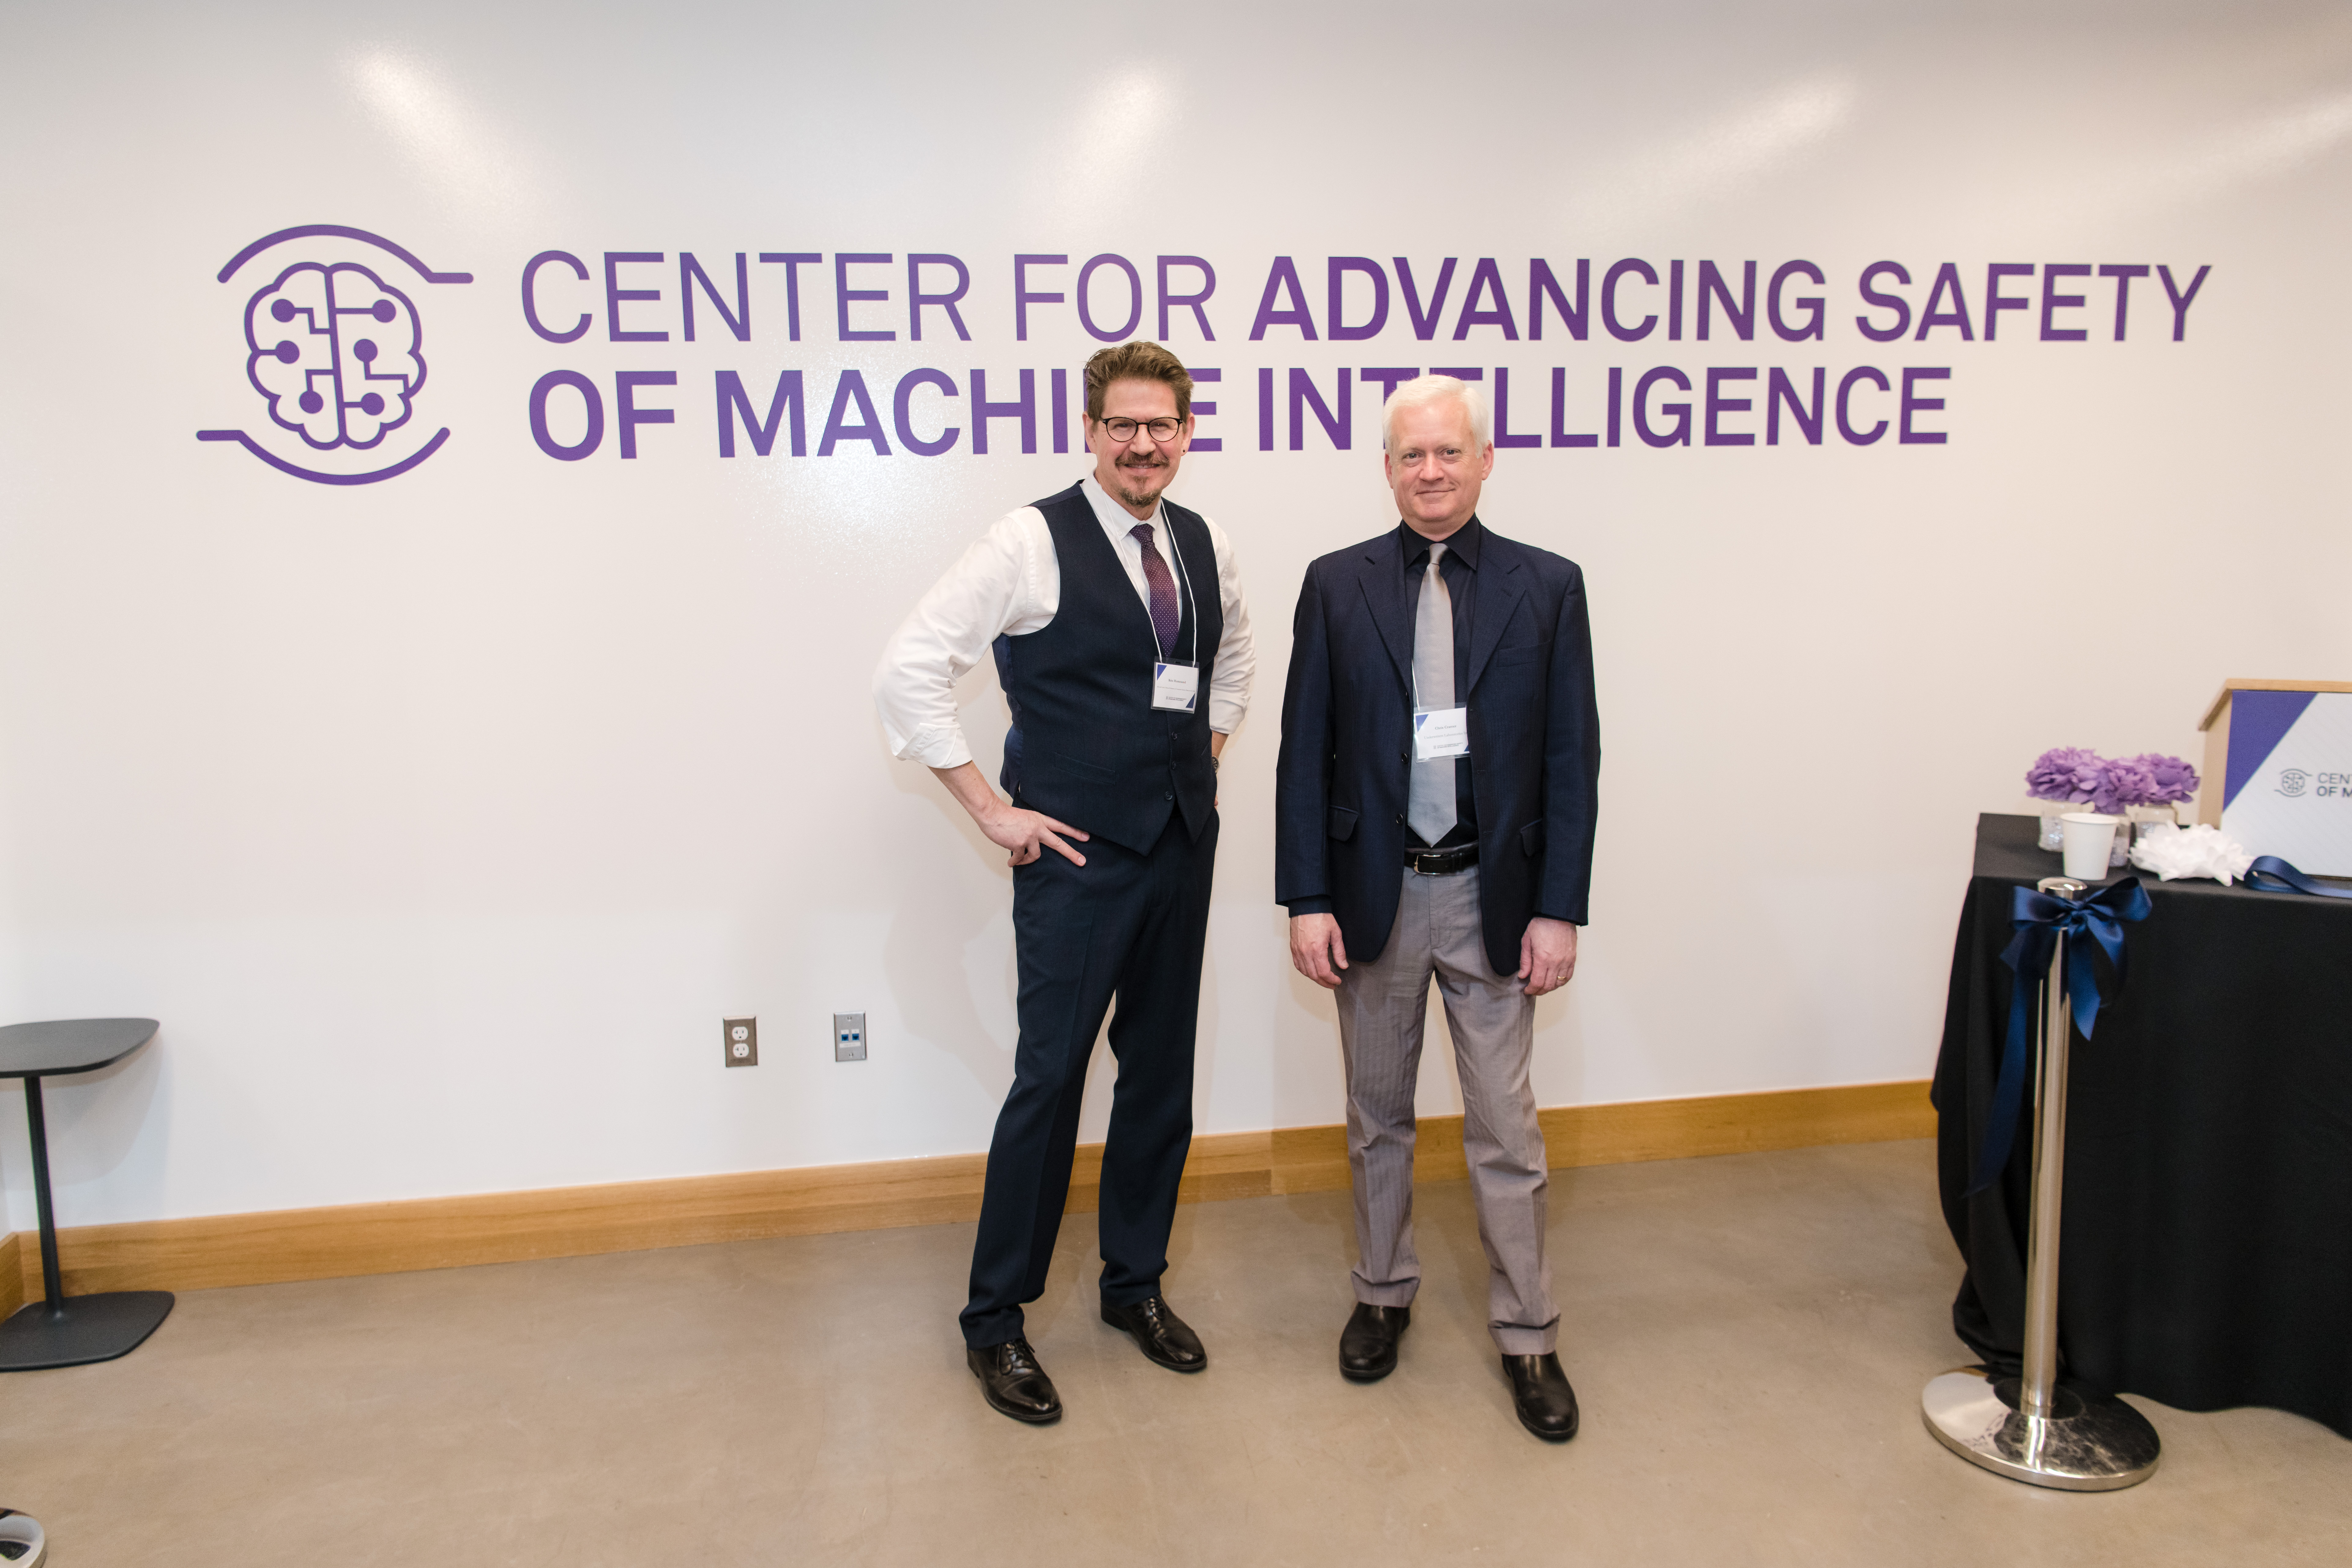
x=2079, y=777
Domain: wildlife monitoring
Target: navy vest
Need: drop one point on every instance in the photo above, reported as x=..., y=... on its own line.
x=1086, y=747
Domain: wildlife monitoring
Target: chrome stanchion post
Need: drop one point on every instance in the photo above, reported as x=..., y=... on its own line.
x=2030, y=1428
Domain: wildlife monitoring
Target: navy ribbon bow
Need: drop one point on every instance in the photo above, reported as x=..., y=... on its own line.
x=2270, y=874
x=2037, y=918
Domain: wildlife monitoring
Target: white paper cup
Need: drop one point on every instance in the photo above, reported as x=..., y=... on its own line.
x=2090, y=839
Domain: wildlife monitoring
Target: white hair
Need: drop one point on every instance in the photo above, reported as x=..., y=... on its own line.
x=1424, y=390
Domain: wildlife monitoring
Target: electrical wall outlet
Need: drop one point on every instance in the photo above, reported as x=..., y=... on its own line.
x=743, y=1042
x=849, y=1036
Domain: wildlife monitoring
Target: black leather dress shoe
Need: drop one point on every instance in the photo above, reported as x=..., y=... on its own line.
x=1012, y=1382
x=1539, y=1390
x=1164, y=1336
x=1367, y=1345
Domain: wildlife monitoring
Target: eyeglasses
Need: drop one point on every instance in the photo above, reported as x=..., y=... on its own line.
x=1163, y=428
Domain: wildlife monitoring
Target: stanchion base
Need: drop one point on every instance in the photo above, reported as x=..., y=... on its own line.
x=2091, y=1443
x=82, y=1330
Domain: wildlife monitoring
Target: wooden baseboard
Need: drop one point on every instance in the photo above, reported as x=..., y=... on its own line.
x=569, y=1222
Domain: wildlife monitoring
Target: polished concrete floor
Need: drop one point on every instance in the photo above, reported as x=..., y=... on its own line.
x=1748, y=1336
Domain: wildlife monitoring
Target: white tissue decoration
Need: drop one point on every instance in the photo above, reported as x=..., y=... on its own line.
x=2173, y=853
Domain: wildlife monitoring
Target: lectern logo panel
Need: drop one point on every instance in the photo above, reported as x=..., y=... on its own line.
x=336, y=349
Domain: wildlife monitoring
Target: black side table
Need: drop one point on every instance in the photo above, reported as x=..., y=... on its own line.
x=61, y=1329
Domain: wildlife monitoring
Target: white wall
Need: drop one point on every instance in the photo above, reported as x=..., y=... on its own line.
x=441, y=819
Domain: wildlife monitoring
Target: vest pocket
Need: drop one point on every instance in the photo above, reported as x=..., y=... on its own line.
x=1343, y=823
x=1531, y=838
x=1092, y=772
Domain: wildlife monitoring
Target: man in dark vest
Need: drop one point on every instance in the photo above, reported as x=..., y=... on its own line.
x=1123, y=644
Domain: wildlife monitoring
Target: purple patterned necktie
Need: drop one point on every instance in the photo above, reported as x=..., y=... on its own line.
x=1164, y=618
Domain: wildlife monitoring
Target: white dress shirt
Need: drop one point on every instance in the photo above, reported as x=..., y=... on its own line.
x=1010, y=582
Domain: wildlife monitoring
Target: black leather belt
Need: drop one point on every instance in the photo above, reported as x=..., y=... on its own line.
x=1441, y=862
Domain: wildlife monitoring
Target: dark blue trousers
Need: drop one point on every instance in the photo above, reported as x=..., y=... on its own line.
x=1124, y=926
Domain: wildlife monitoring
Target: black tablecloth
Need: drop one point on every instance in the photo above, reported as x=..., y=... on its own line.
x=2207, y=1238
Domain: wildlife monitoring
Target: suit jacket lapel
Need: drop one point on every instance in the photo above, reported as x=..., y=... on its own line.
x=1500, y=589
x=1382, y=576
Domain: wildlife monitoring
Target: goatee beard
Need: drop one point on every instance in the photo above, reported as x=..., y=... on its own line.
x=1134, y=497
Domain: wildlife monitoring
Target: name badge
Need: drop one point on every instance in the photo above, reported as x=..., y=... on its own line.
x=1175, y=687
x=1441, y=732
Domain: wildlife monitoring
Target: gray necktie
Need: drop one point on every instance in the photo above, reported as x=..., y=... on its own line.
x=1430, y=803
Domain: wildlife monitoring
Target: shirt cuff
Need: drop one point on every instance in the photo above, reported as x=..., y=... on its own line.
x=937, y=747
x=1316, y=906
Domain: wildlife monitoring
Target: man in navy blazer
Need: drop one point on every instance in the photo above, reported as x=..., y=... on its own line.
x=1434, y=809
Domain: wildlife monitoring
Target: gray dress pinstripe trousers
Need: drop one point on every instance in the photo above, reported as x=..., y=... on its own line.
x=1383, y=1007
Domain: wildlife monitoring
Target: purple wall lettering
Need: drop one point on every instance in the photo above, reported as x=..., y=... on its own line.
x=1718, y=405
x=2180, y=301
x=1265, y=410
x=1673, y=301
x=1125, y=329
x=1283, y=276
x=1780, y=391
x=1995, y=300
x=1424, y=327
x=733, y=400
x=1388, y=376
x=1541, y=283
x=917, y=298
x=1203, y=408
x=844, y=296
x=1023, y=409
x=1947, y=277
x=1894, y=302
x=792, y=261
x=690, y=272
x=851, y=389
x=625, y=412
x=1334, y=306
x=1503, y=436
x=1559, y=436
x=1742, y=316
x=1853, y=378
x=1304, y=394
x=1609, y=280
x=530, y=306
x=1616, y=400
x=1022, y=297
x=1059, y=398
x=1192, y=302
x=1815, y=306
x=588, y=396
x=1485, y=279
x=614, y=295
x=908, y=384
x=2053, y=301
x=1460, y=372
x=1912, y=375
x=2122, y=274
x=1680, y=435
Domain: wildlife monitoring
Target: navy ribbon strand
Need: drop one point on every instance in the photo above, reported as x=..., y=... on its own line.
x=2037, y=918
x=2269, y=874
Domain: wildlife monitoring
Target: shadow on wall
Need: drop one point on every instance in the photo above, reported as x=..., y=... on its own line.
x=96, y=1122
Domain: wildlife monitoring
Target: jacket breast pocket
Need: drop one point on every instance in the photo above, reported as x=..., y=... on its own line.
x=1343, y=823
x=1093, y=773
x=1531, y=838
x=1513, y=657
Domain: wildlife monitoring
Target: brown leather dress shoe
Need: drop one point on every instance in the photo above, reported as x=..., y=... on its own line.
x=1012, y=1382
x=1166, y=1338
x=1539, y=1392
x=1367, y=1345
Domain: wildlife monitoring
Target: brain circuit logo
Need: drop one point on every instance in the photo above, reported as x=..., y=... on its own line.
x=335, y=350
x=2293, y=782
